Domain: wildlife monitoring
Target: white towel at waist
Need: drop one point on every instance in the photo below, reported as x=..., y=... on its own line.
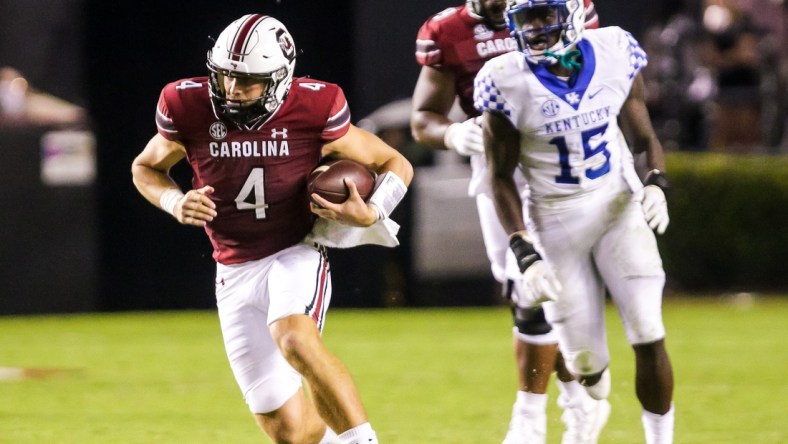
x=333, y=234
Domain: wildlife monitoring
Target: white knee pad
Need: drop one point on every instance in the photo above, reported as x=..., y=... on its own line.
x=646, y=335
x=272, y=393
x=641, y=311
x=586, y=362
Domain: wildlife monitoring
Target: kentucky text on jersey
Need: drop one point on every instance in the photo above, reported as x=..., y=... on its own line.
x=495, y=47
x=578, y=121
x=263, y=148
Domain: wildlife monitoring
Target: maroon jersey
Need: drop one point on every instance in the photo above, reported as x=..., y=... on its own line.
x=259, y=175
x=461, y=42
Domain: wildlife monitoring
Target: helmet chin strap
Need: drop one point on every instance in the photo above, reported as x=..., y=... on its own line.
x=568, y=59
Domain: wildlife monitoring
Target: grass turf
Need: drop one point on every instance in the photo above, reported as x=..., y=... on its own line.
x=426, y=376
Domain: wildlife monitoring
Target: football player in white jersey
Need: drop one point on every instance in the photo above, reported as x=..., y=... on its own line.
x=452, y=46
x=553, y=108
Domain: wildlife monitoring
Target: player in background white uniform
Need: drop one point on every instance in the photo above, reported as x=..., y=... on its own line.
x=553, y=109
x=451, y=47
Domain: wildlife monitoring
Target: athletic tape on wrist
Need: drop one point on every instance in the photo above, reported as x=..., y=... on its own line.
x=169, y=198
x=656, y=177
x=448, y=136
x=389, y=191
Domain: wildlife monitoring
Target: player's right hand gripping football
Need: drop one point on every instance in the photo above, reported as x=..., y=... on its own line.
x=465, y=137
x=195, y=207
x=538, y=283
x=354, y=211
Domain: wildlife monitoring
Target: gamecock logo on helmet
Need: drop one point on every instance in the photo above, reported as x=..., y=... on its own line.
x=286, y=43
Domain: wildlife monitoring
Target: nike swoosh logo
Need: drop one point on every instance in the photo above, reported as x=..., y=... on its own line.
x=592, y=95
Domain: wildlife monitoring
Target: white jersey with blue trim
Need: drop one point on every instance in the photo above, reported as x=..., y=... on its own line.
x=571, y=143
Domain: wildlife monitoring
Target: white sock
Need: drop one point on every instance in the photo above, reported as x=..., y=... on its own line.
x=572, y=390
x=658, y=428
x=361, y=434
x=531, y=402
x=329, y=438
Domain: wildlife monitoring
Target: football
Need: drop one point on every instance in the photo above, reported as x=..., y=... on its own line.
x=328, y=180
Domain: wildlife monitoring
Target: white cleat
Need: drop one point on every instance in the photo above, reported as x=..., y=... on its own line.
x=600, y=390
x=584, y=420
x=526, y=428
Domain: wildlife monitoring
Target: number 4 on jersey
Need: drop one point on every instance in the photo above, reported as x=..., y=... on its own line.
x=252, y=195
x=314, y=86
x=188, y=84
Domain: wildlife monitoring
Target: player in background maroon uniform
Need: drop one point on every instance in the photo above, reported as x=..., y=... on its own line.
x=252, y=134
x=451, y=47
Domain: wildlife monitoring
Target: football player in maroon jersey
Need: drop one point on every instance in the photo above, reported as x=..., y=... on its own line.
x=451, y=47
x=252, y=133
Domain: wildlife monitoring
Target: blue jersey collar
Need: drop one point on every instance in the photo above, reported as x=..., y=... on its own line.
x=573, y=91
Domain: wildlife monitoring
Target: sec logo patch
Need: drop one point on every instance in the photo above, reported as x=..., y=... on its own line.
x=550, y=108
x=218, y=130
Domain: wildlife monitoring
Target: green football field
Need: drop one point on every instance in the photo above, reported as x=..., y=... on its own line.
x=426, y=376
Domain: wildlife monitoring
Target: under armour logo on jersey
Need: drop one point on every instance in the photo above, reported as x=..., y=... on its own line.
x=275, y=133
x=572, y=98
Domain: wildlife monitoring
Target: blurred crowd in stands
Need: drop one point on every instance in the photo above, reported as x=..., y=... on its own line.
x=717, y=75
x=717, y=80
x=22, y=105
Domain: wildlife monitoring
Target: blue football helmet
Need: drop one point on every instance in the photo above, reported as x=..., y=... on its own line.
x=566, y=18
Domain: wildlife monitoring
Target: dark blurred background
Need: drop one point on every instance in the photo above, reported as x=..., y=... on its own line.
x=76, y=236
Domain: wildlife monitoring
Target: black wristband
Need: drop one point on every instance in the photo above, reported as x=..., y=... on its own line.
x=656, y=177
x=524, y=251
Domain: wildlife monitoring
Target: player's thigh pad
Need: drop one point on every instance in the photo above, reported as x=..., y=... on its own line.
x=300, y=283
x=628, y=259
x=245, y=305
x=566, y=240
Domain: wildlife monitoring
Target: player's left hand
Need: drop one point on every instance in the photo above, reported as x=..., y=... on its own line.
x=655, y=207
x=465, y=137
x=354, y=211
